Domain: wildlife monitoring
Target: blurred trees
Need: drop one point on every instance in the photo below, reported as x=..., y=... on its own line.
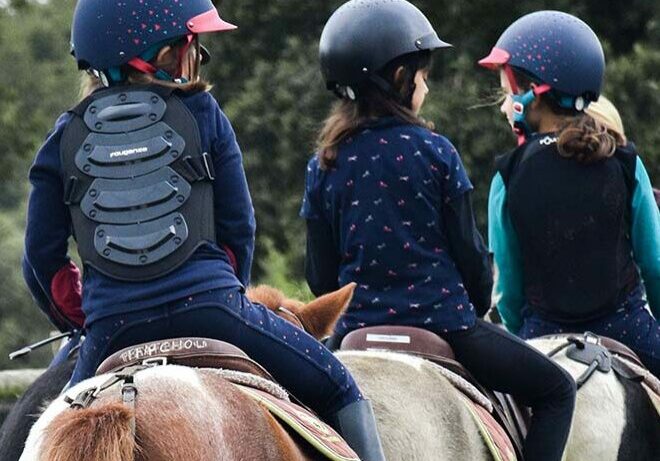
x=267, y=80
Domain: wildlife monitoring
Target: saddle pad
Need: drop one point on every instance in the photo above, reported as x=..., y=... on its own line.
x=308, y=426
x=496, y=439
x=463, y=386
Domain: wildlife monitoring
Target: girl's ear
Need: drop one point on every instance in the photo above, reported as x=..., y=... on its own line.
x=399, y=75
x=163, y=52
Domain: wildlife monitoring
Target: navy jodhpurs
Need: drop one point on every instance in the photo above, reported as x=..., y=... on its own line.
x=295, y=359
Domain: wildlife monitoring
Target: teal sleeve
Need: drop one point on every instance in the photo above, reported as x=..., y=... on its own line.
x=645, y=236
x=508, y=290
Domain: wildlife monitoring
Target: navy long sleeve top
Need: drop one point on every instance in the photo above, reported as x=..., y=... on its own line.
x=221, y=264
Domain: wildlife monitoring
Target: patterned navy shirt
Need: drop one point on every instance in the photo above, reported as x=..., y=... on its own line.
x=382, y=203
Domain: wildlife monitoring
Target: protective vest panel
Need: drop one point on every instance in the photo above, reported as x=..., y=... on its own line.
x=141, y=244
x=572, y=223
x=126, y=201
x=137, y=182
x=108, y=155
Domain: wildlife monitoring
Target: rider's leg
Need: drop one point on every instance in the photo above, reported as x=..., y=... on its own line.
x=505, y=363
x=637, y=329
x=295, y=359
x=304, y=366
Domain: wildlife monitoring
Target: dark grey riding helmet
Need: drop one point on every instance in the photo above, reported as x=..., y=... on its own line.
x=363, y=36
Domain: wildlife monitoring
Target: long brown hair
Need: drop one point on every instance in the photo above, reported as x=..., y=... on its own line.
x=580, y=136
x=168, y=62
x=585, y=139
x=347, y=116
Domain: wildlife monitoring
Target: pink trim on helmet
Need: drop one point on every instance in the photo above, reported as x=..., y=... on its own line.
x=208, y=22
x=497, y=57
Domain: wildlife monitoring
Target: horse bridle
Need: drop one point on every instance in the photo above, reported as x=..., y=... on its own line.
x=292, y=317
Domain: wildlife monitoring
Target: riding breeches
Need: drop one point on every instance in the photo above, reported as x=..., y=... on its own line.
x=632, y=325
x=295, y=359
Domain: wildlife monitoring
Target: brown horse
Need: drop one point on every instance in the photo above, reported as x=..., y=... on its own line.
x=181, y=413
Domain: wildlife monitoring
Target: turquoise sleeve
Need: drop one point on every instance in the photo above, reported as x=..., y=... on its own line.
x=645, y=234
x=508, y=289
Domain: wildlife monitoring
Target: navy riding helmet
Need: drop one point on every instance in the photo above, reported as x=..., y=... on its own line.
x=109, y=34
x=363, y=36
x=557, y=51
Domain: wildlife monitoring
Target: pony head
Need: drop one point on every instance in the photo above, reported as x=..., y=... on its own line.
x=318, y=317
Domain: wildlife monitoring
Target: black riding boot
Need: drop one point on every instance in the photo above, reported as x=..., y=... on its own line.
x=356, y=423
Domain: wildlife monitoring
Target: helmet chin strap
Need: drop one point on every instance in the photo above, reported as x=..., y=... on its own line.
x=148, y=68
x=520, y=103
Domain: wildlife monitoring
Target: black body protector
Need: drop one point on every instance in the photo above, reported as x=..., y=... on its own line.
x=136, y=182
x=573, y=226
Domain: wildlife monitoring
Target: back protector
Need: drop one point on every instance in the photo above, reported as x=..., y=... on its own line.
x=137, y=183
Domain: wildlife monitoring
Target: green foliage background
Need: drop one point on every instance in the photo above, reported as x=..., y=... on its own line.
x=267, y=80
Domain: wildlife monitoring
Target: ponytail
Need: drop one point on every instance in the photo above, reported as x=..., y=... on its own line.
x=585, y=139
x=581, y=137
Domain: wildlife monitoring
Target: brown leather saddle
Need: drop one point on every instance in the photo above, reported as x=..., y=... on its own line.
x=191, y=352
x=513, y=417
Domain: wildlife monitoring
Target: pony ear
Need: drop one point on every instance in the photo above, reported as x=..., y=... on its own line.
x=322, y=314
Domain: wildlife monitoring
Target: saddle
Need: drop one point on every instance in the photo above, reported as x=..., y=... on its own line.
x=190, y=352
x=234, y=365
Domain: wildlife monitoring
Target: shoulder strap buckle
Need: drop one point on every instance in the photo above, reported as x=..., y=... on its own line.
x=208, y=166
x=70, y=191
x=198, y=168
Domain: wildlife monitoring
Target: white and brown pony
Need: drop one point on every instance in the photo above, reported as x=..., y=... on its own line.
x=421, y=415
x=182, y=414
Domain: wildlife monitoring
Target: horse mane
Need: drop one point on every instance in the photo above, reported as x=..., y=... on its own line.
x=102, y=433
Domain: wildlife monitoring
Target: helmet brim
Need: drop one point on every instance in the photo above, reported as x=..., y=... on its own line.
x=496, y=59
x=431, y=42
x=209, y=22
